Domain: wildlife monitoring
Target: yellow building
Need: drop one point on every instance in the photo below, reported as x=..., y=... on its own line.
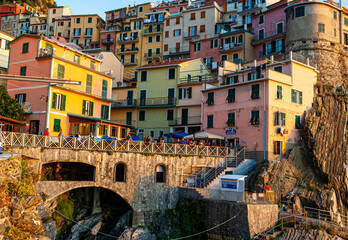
x=85, y=29
x=83, y=108
x=4, y=53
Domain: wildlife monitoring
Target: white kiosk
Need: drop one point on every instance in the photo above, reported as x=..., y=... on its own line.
x=231, y=188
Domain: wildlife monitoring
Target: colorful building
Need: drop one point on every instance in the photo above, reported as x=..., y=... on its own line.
x=54, y=14
x=38, y=24
x=158, y=95
x=85, y=29
x=262, y=105
x=4, y=54
x=83, y=108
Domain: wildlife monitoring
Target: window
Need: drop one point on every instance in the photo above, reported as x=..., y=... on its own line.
x=89, y=20
x=77, y=20
x=120, y=173
x=56, y=125
x=278, y=69
x=77, y=59
x=255, y=117
x=89, y=84
x=224, y=58
x=165, y=47
x=345, y=38
x=346, y=21
x=261, y=19
x=105, y=112
x=298, y=124
x=279, y=119
x=170, y=114
x=296, y=96
x=25, y=47
x=321, y=27
x=158, y=51
x=142, y=115
x=61, y=71
x=89, y=31
x=160, y=133
x=202, y=28
x=113, y=132
x=177, y=21
x=58, y=101
x=104, y=92
x=185, y=93
x=214, y=43
x=255, y=91
x=261, y=34
x=141, y=133
x=21, y=98
x=54, y=11
x=171, y=73
x=149, y=39
x=166, y=34
x=193, y=16
x=280, y=27
x=203, y=14
x=197, y=47
x=141, y=9
x=278, y=147
x=23, y=71
x=279, y=92
x=231, y=119
x=152, y=133
x=160, y=174
x=210, y=99
x=87, y=108
x=176, y=32
x=210, y=121
x=231, y=80
x=143, y=76
x=335, y=15
x=231, y=96
x=299, y=12
x=158, y=38
x=103, y=130
x=4, y=44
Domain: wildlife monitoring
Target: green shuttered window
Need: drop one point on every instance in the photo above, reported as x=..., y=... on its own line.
x=61, y=71
x=105, y=89
x=255, y=117
x=231, y=96
x=210, y=121
x=89, y=84
x=255, y=91
x=56, y=125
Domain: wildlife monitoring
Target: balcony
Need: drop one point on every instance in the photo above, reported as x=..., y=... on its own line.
x=152, y=55
x=229, y=20
x=191, y=35
x=27, y=107
x=126, y=122
x=124, y=103
x=198, y=79
x=269, y=35
x=46, y=52
x=88, y=35
x=149, y=21
x=127, y=50
x=76, y=35
x=196, y=120
x=153, y=31
x=247, y=9
x=179, y=50
x=106, y=41
x=130, y=62
x=231, y=47
x=128, y=40
x=152, y=102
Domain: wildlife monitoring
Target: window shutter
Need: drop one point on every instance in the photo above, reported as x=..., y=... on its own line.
x=233, y=94
x=91, y=112
x=173, y=33
x=102, y=112
x=274, y=147
x=283, y=123
x=257, y=117
x=189, y=90
x=300, y=97
x=293, y=95
x=63, y=102
x=275, y=117
x=17, y=96
x=180, y=93
x=83, y=107
x=54, y=99
x=24, y=97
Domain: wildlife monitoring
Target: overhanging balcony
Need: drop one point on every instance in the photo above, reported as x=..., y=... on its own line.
x=106, y=41
x=127, y=50
x=128, y=40
x=124, y=103
x=130, y=62
x=153, y=31
x=191, y=35
x=195, y=120
x=179, y=50
x=152, y=55
x=231, y=47
x=156, y=102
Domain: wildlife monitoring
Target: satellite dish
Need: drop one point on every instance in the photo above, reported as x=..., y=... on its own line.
x=101, y=56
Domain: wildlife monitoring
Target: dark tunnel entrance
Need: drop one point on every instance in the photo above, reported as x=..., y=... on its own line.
x=67, y=171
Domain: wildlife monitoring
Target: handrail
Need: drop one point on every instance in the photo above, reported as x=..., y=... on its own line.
x=30, y=140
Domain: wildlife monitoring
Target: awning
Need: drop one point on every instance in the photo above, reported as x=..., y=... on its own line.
x=204, y=136
x=176, y=135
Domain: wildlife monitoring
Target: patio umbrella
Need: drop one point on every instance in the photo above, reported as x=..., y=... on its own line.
x=204, y=136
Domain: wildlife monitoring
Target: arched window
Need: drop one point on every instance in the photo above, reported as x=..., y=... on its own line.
x=160, y=174
x=120, y=173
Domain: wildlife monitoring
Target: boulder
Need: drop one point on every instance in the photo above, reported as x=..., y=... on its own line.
x=31, y=201
x=29, y=222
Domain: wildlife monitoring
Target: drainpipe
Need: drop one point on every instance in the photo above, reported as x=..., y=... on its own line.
x=264, y=115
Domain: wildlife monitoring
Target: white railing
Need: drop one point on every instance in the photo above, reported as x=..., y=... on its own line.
x=14, y=139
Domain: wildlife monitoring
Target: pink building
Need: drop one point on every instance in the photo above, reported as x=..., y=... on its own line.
x=270, y=30
x=261, y=106
x=171, y=7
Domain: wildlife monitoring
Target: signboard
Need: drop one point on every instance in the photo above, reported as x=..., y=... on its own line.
x=231, y=131
x=229, y=184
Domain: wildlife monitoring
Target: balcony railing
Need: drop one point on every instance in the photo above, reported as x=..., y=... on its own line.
x=130, y=62
x=249, y=9
x=153, y=31
x=128, y=40
x=160, y=101
x=125, y=103
x=46, y=52
x=192, y=35
x=107, y=41
x=27, y=106
x=152, y=55
x=270, y=34
x=230, y=47
x=149, y=21
x=126, y=122
x=13, y=139
x=198, y=79
x=127, y=50
x=186, y=121
x=229, y=20
x=88, y=35
x=179, y=50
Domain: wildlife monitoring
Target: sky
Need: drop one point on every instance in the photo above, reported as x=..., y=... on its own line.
x=101, y=6
x=97, y=6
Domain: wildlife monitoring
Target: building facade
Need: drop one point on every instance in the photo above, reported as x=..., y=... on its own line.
x=54, y=14
x=4, y=54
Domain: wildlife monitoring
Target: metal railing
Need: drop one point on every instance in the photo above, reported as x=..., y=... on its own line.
x=198, y=78
x=191, y=35
x=127, y=50
x=156, y=101
x=185, y=121
x=231, y=46
x=128, y=39
x=179, y=50
x=125, y=103
x=153, y=31
x=14, y=139
x=152, y=55
x=130, y=62
x=107, y=41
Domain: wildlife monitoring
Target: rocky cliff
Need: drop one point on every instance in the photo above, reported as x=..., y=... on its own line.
x=19, y=218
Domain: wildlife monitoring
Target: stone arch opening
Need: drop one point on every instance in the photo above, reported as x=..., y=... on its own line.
x=160, y=173
x=68, y=171
x=120, y=172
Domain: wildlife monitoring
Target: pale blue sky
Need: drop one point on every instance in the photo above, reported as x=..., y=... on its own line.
x=100, y=6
